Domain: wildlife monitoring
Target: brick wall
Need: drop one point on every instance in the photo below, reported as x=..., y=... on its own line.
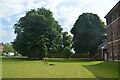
x=113, y=32
x=1, y=47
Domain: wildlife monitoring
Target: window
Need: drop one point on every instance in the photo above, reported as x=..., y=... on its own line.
x=110, y=51
x=115, y=51
x=110, y=54
x=114, y=16
x=109, y=20
x=117, y=14
x=118, y=31
x=117, y=35
x=112, y=36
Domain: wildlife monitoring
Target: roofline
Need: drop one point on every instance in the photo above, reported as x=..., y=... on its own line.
x=112, y=9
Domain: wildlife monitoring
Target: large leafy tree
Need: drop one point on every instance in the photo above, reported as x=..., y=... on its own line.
x=88, y=33
x=37, y=32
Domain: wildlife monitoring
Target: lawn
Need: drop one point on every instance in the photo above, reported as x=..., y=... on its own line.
x=16, y=67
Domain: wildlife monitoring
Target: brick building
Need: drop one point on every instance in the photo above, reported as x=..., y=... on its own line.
x=113, y=32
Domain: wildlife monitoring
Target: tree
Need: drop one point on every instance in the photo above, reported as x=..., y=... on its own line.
x=67, y=52
x=8, y=48
x=88, y=33
x=66, y=44
x=66, y=39
x=36, y=33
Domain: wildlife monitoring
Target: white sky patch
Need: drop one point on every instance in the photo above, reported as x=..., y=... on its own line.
x=69, y=15
x=8, y=19
x=34, y=5
x=6, y=36
x=66, y=12
x=12, y=7
x=9, y=8
x=22, y=15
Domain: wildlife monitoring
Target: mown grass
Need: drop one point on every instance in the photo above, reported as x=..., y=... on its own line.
x=104, y=70
x=16, y=67
x=0, y=67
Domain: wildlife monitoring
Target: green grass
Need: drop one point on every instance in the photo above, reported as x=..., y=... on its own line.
x=104, y=70
x=0, y=67
x=15, y=67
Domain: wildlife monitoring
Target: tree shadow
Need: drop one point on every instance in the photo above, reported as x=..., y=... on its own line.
x=104, y=71
x=17, y=59
x=64, y=60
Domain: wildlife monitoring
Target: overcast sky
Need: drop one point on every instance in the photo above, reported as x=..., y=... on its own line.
x=66, y=12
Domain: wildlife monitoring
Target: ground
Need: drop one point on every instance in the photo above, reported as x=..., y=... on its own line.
x=16, y=67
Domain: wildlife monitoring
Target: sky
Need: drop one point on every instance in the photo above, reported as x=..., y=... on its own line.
x=66, y=12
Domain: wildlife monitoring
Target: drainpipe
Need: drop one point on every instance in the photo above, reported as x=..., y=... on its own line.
x=103, y=53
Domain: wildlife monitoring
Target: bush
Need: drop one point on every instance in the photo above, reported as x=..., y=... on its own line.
x=2, y=54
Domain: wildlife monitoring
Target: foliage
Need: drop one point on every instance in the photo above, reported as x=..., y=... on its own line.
x=66, y=44
x=8, y=48
x=37, y=33
x=67, y=39
x=88, y=33
x=2, y=54
x=64, y=41
x=67, y=52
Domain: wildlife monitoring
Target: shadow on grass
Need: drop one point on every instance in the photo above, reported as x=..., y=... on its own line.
x=64, y=60
x=17, y=59
x=104, y=71
x=54, y=79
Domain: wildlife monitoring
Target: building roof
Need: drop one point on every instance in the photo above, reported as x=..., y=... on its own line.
x=103, y=45
x=118, y=4
x=1, y=44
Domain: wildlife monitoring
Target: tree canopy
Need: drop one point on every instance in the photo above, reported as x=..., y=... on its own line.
x=66, y=44
x=37, y=33
x=66, y=39
x=8, y=48
x=88, y=33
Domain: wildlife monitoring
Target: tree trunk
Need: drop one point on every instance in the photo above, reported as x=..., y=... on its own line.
x=41, y=56
x=91, y=54
x=28, y=56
